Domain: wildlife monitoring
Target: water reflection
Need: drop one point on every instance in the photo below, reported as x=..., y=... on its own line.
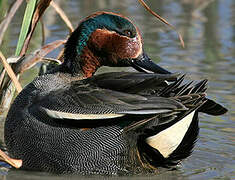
x=208, y=29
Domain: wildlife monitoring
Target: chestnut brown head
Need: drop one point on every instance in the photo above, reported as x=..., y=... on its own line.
x=103, y=38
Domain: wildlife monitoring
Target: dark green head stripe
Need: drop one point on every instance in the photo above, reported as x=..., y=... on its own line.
x=109, y=21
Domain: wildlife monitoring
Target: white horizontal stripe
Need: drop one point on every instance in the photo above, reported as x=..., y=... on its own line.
x=64, y=115
x=169, y=139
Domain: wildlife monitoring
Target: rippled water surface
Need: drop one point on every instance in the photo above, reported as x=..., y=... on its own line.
x=208, y=28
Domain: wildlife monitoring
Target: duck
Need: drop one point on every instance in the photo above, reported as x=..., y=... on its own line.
x=70, y=120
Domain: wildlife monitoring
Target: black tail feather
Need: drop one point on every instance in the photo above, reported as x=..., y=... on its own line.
x=176, y=90
x=212, y=108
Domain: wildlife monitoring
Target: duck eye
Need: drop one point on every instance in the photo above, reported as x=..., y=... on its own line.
x=128, y=33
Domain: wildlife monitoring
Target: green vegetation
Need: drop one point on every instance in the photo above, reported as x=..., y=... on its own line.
x=25, y=25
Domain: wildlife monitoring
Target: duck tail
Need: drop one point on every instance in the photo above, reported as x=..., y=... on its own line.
x=209, y=106
x=166, y=144
x=169, y=146
x=212, y=108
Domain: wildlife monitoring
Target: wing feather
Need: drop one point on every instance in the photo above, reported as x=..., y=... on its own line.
x=85, y=100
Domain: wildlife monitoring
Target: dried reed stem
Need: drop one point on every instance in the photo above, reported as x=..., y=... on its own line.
x=62, y=15
x=162, y=20
x=10, y=72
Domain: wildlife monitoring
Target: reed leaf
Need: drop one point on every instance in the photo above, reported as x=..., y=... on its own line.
x=25, y=25
x=40, y=9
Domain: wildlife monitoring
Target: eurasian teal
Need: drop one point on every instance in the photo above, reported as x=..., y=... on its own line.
x=72, y=121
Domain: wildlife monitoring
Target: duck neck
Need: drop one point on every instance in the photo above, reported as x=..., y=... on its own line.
x=79, y=59
x=89, y=62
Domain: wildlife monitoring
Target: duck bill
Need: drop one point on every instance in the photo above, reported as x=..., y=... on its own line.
x=145, y=64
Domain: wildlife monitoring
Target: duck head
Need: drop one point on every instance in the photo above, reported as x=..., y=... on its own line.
x=106, y=39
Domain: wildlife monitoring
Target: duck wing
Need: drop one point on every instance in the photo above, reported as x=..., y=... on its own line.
x=164, y=85
x=132, y=82
x=86, y=102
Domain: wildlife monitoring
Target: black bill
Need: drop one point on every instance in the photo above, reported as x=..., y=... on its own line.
x=145, y=64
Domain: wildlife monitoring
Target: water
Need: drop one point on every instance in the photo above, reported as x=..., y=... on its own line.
x=208, y=28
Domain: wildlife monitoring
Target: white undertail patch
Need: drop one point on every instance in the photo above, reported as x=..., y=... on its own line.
x=169, y=139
